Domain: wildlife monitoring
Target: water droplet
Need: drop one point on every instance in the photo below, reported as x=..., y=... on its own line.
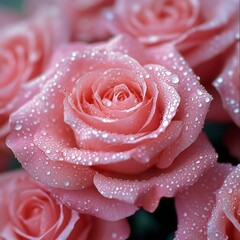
x=105, y=135
x=236, y=110
x=175, y=79
x=165, y=123
x=18, y=126
x=44, y=133
x=66, y=184
x=114, y=235
x=207, y=99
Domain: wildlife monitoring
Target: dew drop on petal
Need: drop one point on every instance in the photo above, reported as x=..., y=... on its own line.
x=18, y=126
x=66, y=184
x=175, y=79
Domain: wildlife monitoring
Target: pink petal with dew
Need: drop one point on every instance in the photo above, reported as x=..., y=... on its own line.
x=89, y=201
x=194, y=211
x=214, y=36
x=216, y=112
x=122, y=43
x=35, y=160
x=194, y=99
x=228, y=86
x=132, y=161
x=91, y=108
x=146, y=190
x=225, y=219
x=27, y=47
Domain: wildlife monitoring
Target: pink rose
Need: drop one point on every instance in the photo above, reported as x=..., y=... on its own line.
x=153, y=22
x=114, y=124
x=28, y=212
x=205, y=32
x=204, y=215
x=25, y=50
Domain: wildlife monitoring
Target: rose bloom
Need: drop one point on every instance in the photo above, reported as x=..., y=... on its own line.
x=210, y=208
x=205, y=32
x=115, y=124
x=25, y=50
x=29, y=212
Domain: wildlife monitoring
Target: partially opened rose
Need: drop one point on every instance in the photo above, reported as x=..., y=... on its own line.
x=153, y=22
x=29, y=212
x=25, y=50
x=115, y=125
x=210, y=208
x=205, y=32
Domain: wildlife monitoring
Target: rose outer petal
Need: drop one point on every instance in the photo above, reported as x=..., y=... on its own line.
x=211, y=38
x=146, y=190
x=224, y=221
x=27, y=46
x=194, y=99
x=228, y=85
x=194, y=206
x=89, y=201
x=52, y=173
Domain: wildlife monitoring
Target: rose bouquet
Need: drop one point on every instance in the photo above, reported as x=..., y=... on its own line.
x=124, y=117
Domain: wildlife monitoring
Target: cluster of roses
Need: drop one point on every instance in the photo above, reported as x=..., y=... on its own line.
x=103, y=102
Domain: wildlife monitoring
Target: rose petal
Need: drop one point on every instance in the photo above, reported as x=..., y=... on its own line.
x=146, y=190
x=54, y=173
x=194, y=100
x=26, y=49
x=228, y=86
x=216, y=32
x=225, y=218
x=89, y=201
x=194, y=211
